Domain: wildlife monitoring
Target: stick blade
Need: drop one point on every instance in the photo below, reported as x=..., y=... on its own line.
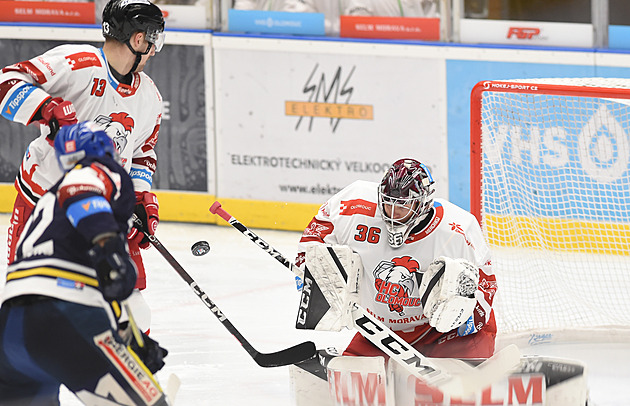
x=293, y=355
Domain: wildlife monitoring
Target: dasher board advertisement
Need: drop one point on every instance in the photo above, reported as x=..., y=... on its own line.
x=526, y=33
x=297, y=122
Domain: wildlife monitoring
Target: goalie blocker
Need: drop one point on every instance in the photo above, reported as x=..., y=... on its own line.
x=326, y=299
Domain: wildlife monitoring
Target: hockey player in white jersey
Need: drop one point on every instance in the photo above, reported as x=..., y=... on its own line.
x=105, y=85
x=424, y=266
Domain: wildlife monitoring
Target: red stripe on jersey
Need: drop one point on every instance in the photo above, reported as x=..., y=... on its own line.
x=27, y=67
x=317, y=230
x=147, y=162
x=5, y=87
x=82, y=60
x=67, y=191
x=152, y=140
x=28, y=179
x=487, y=285
x=357, y=206
x=437, y=219
x=101, y=172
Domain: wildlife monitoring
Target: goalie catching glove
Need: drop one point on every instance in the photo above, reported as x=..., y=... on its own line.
x=331, y=287
x=448, y=292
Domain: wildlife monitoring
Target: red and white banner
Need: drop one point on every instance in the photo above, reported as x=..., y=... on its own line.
x=47, y=12
x=420, y=28
x=526, y=33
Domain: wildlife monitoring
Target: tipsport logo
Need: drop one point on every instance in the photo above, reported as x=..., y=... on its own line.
x=328, y=97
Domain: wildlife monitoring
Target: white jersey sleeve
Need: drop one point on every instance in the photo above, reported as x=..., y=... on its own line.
x=131, y=114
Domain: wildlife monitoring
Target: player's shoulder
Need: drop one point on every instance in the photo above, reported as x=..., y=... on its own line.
x=149, y=85
x=73, y=49
x=359, y=197
x=358, y=190
x=362, y=187
x=453, y=211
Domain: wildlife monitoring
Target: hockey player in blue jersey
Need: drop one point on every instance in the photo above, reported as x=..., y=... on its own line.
x=61, y=305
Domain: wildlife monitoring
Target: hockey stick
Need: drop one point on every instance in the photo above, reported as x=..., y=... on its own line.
x=288, y=356
x=216, y=209
x=452, y=376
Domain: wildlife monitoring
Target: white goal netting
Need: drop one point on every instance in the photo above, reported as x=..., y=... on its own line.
x=550, y=162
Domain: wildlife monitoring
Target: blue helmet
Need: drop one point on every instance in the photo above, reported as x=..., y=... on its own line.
x=75, y=142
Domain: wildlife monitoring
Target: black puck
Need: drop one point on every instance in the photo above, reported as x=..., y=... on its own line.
x=200, y=248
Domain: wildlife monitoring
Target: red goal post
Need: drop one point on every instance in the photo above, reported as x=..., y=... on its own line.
x=550, y=185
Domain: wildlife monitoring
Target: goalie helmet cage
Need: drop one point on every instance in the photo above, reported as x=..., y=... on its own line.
x=550, y=185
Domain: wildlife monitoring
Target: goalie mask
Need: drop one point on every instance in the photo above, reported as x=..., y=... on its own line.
x=404, y=198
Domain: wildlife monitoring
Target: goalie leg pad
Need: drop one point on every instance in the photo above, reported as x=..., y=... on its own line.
x=331, y=285
x=308, y=389
x=536, y=381
x=359, y=381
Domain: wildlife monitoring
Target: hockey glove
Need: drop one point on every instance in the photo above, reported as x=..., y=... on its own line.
x=147, y=211
x=448, y=292
x=115, y=270
x=151, y=354
x=56, y=113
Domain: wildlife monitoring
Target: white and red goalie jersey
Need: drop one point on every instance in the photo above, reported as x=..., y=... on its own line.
x=391, y=277
x=80, y=74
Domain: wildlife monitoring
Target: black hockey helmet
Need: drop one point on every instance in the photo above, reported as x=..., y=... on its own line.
x=123, y=18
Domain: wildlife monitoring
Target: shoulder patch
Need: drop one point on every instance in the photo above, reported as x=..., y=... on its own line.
x=357, y=206
x=82, y=60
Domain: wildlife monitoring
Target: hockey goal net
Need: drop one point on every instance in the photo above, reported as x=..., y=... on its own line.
x=550, y=162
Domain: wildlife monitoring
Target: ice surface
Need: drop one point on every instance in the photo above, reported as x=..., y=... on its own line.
x=258, y=295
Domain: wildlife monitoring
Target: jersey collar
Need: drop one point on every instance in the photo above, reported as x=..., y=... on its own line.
x=428, y=225
x=121, y=88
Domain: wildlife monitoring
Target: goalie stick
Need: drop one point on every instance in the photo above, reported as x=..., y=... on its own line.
x=452, y=376
x=288, y=356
